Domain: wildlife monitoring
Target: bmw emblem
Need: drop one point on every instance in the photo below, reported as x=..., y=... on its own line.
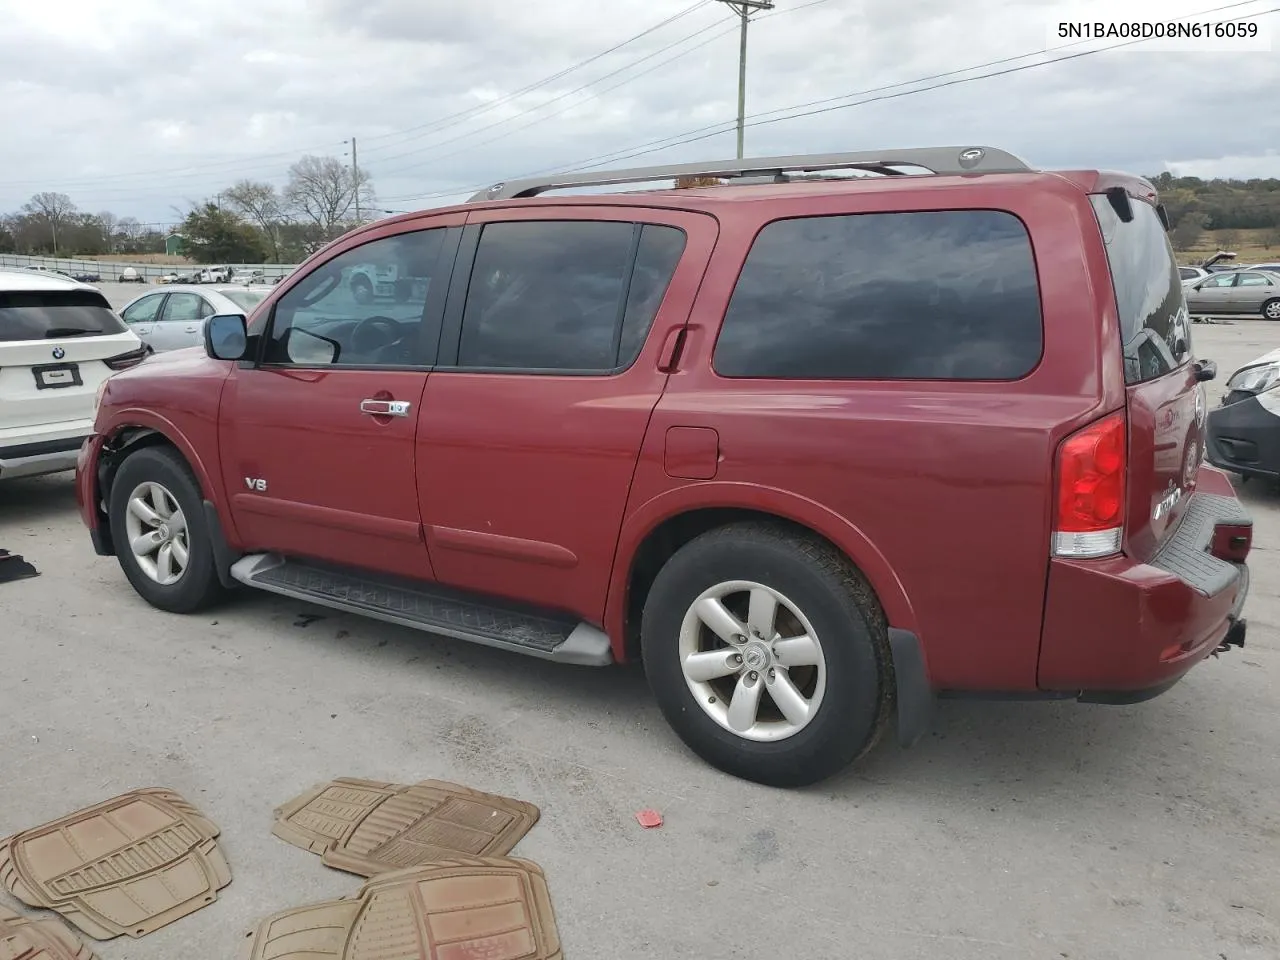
x=58, y=353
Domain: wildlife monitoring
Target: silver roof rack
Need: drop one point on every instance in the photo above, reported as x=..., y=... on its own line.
x=937, y=160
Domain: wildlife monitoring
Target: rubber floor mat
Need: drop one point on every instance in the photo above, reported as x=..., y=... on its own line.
x=461, y=909
x=368, y=828
x=127, y=866
x=24, y=939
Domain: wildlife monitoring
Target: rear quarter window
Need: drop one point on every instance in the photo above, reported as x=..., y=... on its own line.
x=51, y=314
x=1155, y=330
x=943, y=295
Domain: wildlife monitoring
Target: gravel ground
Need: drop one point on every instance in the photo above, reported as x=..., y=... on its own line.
x=1042, y=830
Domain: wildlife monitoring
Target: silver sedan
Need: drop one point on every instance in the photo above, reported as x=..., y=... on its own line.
x=1235, y=291
x=173, y=318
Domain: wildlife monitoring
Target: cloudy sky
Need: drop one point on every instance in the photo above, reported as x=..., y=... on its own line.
x=144, y=106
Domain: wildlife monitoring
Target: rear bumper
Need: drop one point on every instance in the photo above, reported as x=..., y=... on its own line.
x=1244, y=437
x=36, y=457
x=1119, y=630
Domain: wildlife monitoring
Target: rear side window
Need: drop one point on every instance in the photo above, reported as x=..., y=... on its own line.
x=573, y=296
x=947, y=295
x=1154, y=328
x=50, y=314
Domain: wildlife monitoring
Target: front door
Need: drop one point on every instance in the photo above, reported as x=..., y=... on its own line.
x=550, y=366
x=142, y=314
x=1213, y=295
x=318, y=432
x=179, y=322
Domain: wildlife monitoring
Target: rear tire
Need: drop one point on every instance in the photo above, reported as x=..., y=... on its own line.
x=811, y=709
x=1271, y=309
x=156, y=503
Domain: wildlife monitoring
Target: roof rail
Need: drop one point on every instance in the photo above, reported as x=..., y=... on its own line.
x=938, y=160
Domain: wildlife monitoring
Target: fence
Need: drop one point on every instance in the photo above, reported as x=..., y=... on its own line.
x=110, y=270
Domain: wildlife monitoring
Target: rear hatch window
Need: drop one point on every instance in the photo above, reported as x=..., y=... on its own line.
x=54, y=314
x=1154, y=326
x=1166, y=405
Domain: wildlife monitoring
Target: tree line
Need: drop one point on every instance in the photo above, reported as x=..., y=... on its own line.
x=1225, y=207
x=250, y=221
x=255, y=221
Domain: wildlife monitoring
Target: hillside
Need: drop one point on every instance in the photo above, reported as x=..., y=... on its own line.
x=1211, y=215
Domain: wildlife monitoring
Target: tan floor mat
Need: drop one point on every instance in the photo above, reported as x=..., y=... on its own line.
x=461, y=909
x=24, y=939
x=127, y=866
x=368, y=828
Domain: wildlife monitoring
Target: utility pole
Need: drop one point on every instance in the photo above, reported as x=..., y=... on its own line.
x=744, y=9
x=355, y=177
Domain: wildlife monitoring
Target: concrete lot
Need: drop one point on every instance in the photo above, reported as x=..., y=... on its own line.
x=1043, y=830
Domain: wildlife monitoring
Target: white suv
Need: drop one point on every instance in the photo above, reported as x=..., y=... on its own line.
x=59, y=341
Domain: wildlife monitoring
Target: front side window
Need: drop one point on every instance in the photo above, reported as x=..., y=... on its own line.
x=1222, y=280
x=948, y=295
x=572, y=296
x=145, y=310
x=1155, y=329
x=365, y=307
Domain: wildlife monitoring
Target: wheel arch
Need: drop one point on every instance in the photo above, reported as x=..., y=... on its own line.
x=132, y=429
x=653, y=532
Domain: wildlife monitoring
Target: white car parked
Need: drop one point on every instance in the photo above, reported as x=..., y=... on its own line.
x=173, y=318
x=59, y=341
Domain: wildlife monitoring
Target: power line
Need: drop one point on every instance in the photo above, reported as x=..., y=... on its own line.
x=562, y=96
x=694, y=137
x=446, y=122
x=238, y=162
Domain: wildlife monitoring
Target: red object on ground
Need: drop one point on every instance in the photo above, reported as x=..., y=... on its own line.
x=649, y=819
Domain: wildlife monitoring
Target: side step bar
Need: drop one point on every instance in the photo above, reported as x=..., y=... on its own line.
x=432, y=609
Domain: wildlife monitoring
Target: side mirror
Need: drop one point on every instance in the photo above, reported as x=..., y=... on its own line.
x=1205, y=370
x=310, y=349
x=226, y=336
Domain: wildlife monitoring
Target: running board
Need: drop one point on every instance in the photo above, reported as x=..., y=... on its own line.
x=433, y=609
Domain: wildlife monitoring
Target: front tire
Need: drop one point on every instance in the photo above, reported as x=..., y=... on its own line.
x=768, y=654
x=162, y=541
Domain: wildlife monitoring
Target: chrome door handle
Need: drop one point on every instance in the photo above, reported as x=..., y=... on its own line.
x=192, y=329
x=385, y=408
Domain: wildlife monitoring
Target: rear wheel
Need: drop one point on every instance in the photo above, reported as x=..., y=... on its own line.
x=1271, y=309
x=767, y=654
x=158, y=526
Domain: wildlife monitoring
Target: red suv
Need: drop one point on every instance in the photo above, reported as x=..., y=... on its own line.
x=815, y=448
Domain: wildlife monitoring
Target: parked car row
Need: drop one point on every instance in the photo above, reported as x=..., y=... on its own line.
x=1252, y=291
x=174, y=318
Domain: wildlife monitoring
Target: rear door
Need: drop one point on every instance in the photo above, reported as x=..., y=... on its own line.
x=1167, y=407
x=1251, y=291
x=550, y=367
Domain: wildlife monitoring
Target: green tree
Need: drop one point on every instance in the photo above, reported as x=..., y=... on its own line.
x=211, y=235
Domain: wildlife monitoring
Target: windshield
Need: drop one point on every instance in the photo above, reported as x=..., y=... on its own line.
x=244, y=299
x=1153, y=310
x=49, y=314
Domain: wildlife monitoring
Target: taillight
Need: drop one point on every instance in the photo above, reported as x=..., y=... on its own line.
x=1089, y=519
x=126, y=360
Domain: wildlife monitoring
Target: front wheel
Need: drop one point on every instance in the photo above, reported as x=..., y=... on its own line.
x=158, y=527
x=767, y=654
x=1271, y=309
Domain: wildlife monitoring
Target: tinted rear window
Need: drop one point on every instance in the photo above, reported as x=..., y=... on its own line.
x=1154, y=327
x=50, y=314
x=947, y=295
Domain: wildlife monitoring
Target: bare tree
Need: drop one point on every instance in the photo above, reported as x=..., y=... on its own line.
x=262, y=204
x=55, y=208
x=110, y=224
x=323, y=191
